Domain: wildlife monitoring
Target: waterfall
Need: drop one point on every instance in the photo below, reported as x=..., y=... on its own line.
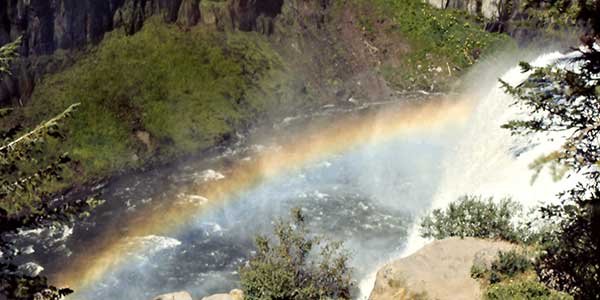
x=488, y=161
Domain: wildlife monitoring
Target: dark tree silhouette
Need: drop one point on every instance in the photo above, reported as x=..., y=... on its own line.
x=25, y=171
x=566, y=99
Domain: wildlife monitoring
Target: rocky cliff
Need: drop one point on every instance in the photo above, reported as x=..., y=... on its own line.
x=64, y=24
x=541, y=23
x=490, y=9
x=51, y=25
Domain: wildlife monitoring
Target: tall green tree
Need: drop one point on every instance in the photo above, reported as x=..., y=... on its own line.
x=25, y=171
x=565, y=97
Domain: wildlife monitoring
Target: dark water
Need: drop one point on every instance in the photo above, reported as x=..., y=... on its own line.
x=365, y=198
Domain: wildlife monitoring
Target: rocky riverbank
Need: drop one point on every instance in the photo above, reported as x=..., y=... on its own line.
x=441, y=270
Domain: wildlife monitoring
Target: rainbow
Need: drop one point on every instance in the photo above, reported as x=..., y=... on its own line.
x=107, y=251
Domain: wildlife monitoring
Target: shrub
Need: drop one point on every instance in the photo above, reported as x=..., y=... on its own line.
x=523, y=290
x=508, y=264
x=478, y=271
x=296, y=266
x=475, y=217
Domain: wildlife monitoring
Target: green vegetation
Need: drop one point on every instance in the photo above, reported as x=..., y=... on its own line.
x=160, y=93
x=473, y=216
x=556, y=16
x=512, y=274
x=511, y=277
x=565, y=99
x=25, y=171
x=296, y=266
x=8, y=53
x=508, y=265
x=525, y=289
x=442, y=43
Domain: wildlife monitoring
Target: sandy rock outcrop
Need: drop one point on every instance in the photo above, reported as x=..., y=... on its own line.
x=233, y=295
x=440, y=269
x=174, y=296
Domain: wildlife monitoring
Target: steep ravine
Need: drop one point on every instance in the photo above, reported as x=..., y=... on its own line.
x=159, y=80
x=162, y=81
x=155, y=89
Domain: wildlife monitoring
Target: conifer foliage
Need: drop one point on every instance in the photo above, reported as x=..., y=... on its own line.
x=26, y=169
x=565, y=97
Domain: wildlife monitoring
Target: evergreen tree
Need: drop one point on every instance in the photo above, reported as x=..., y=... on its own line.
x=565, y=97
x=26, y=170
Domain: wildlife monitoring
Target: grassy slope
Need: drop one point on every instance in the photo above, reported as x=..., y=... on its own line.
x=187, y=89
x=443, y=43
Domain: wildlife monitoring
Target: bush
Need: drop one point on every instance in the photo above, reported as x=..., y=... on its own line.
x=475, y=217
x=296, y=267
x=523, y=290
x=511, y=277
x=478, y=271
x=508, y=264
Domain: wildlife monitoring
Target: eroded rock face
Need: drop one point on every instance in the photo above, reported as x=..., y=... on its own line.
x=491, y=9
x=250, y=15
x=49, y=25
x=440, y=269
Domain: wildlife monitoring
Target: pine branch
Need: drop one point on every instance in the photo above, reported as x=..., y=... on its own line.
x=8, y=53
x=40, y=130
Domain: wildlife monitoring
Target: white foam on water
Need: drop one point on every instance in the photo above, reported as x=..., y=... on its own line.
x=488, y=161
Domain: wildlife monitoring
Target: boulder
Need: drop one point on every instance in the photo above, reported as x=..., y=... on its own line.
x=174, y=296
x=440, y=270
x=233, y=295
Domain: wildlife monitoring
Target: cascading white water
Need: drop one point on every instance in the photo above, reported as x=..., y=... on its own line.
x=488, y=161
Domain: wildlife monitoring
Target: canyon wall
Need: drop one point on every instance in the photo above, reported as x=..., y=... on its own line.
x=490, y=9
x=49, y=25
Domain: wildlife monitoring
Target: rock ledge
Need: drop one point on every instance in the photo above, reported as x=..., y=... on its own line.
x=441, y=270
